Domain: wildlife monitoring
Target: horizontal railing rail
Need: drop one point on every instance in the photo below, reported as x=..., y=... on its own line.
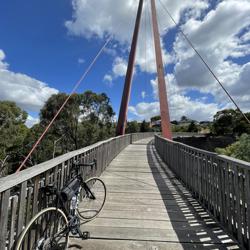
x=20, y=198
x=220, y=183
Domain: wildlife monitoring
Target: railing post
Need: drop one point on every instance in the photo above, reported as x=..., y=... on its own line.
x=221, y=183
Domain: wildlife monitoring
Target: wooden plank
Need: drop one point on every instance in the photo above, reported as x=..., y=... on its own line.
x=233, y=199
x=247, y=192
x=44, y=174
x=13, y=215
x=56, y=176
x=4, y=218
x=153, y=205
x=243, y=204
x=62, y=175
x=228, y=199
x=238, y=210
x=109, y=244
x=152, y=234
x=35, y=204
x=28, y=212
x=29, y=205
x=21, y=207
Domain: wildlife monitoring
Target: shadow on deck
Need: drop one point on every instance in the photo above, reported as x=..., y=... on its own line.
x=148, y=208
x=190, y=221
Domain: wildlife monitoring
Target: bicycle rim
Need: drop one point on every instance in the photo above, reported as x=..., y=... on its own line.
x=92, y=199
x=48, y=230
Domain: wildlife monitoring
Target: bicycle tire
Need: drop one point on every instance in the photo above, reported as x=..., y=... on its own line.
x=27, y=233
x=89, y=208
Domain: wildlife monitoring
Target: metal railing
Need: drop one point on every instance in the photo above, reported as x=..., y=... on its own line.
x=20, y=198
x=220, y=183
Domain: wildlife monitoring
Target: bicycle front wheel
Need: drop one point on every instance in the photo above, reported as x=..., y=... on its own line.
x=48, y=230
x=92, y=198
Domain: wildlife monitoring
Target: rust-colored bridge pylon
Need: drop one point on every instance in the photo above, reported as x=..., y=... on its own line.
x=164, y=110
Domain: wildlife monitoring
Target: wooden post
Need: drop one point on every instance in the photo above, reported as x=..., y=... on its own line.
x=165, y=120
x=121, y=125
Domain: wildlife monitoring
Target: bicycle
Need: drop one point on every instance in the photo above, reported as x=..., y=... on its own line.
x=50, y=228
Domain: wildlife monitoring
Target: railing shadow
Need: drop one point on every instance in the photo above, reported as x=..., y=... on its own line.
x=192, y=224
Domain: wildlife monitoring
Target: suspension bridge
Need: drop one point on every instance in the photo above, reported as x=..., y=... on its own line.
x=162, y=194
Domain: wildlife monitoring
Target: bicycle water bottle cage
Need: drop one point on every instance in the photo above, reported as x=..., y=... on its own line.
x=70, y=190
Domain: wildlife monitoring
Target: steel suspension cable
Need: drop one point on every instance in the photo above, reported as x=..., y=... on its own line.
x=204, y=61
x=147, y=39
x=150, y=34
x=145, y=16
x=65, y=102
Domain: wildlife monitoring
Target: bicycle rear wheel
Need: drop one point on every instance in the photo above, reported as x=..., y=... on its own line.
x=92, y=198
x=48, y=230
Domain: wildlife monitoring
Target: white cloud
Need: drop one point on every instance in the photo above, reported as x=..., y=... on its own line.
x=81, y=60
x=218, y=40
x=144, y=110
x=182, y=105
x=171, y=86
x=117, y=17
x=218, y=29
x=221, y=35
x=179, y=105
x=246, y=37
x=108, y=79
x=119, y=67
x=2, y=55
x=143, y=94
x=31, y=121
x=3, y=65
x=28, y=93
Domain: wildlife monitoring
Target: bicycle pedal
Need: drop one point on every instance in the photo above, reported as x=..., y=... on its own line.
x=85, y=235
x=74, y=231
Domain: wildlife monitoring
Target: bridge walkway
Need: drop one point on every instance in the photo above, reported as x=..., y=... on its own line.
x=148, y=208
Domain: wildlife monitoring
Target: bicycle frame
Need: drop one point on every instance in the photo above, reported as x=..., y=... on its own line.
x=63, y=204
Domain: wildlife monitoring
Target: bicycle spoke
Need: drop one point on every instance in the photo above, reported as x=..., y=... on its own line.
x=51, y=226
x=93, y=198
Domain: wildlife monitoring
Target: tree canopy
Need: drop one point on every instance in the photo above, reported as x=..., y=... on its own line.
x=85, y=119
x=12, y=131
x=132, y=127
x=240, y=149
x=230, y=121
x=145, y=127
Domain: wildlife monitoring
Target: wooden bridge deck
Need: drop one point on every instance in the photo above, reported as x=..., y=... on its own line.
x=148, y=208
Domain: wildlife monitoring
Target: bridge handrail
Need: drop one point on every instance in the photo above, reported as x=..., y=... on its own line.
x=17, y=178
x=20, y=198
x=220, y=183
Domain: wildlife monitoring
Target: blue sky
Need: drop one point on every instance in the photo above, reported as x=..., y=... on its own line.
x=45, y=46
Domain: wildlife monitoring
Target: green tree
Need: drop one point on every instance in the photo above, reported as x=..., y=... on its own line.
x=145, y=127
x=192, y=127
x=12, y=131
x=132, y=127
x=96, y=118
x=155, y=118
x=44, y=150
x=241, y=125
x=67, y=122
x=175, y=122
x=240, y=149
x=184, y=119
x=85, y=119
x=230, y=121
